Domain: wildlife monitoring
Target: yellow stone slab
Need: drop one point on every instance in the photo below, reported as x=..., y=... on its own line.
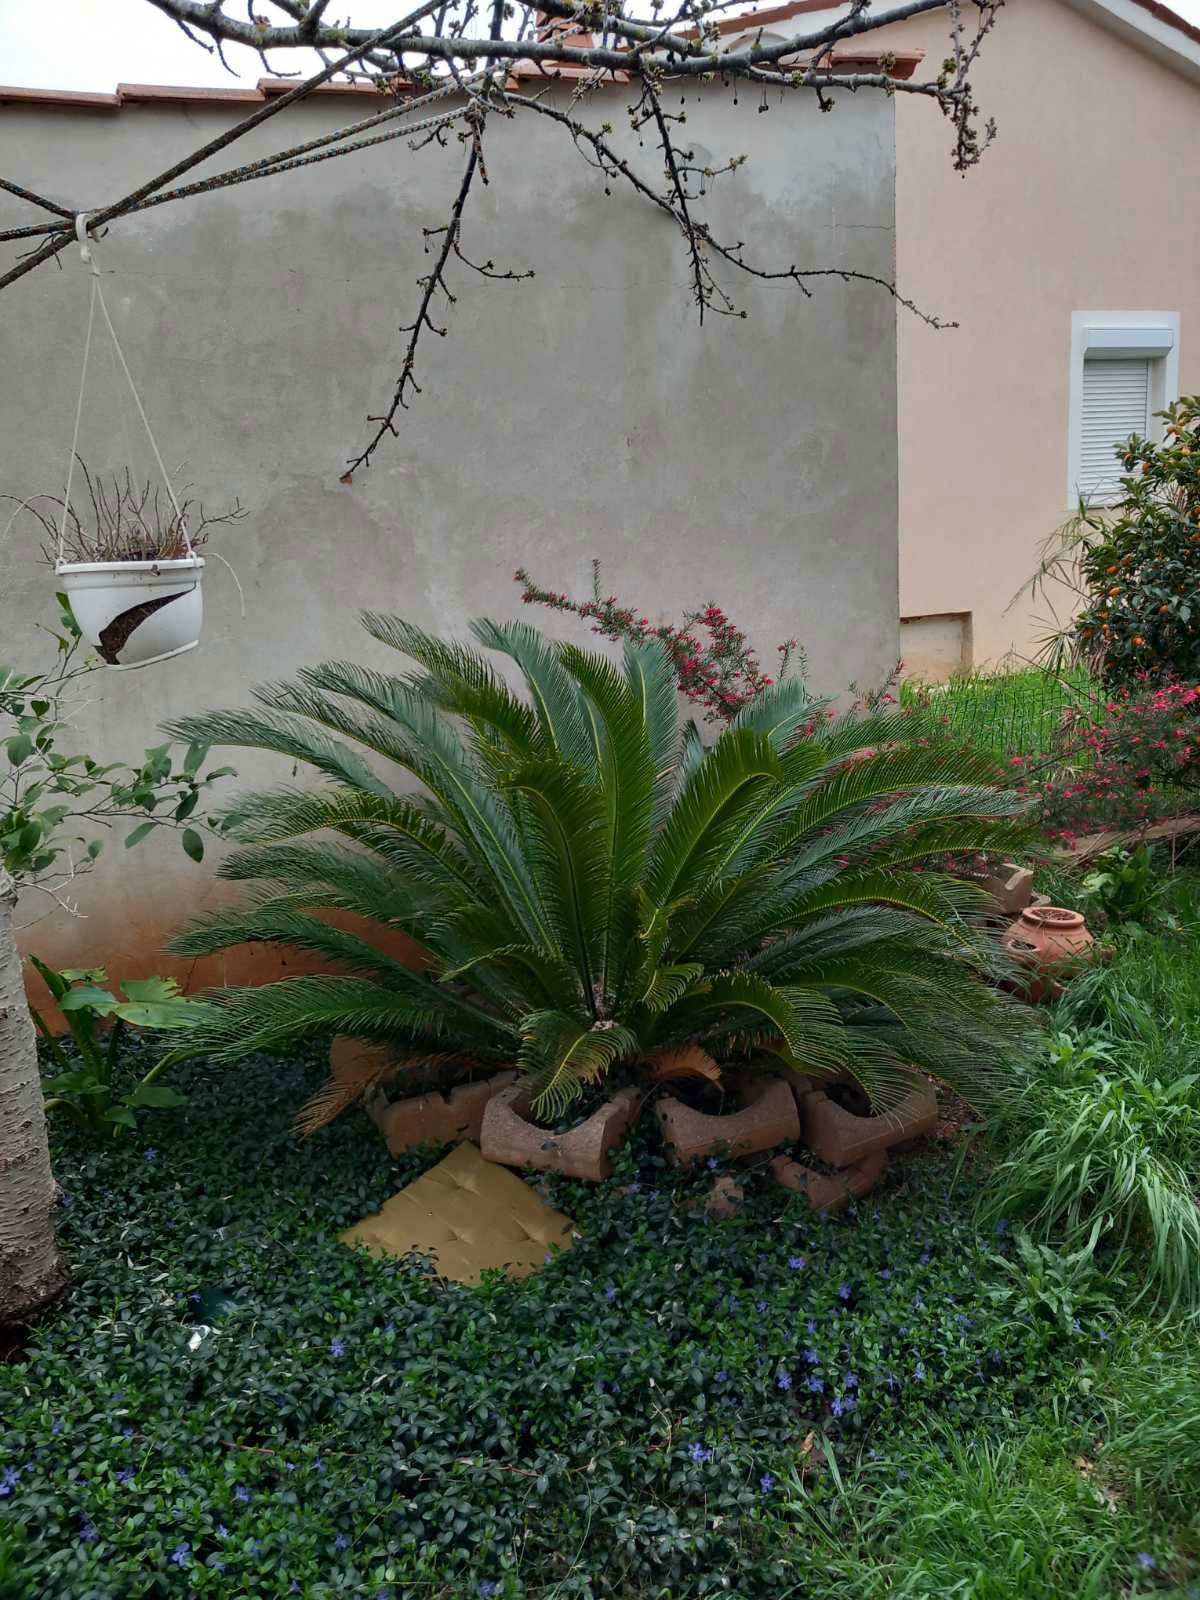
x=468, y=1214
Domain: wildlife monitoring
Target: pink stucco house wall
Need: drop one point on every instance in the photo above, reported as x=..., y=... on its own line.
x=1084, y=208
x=1070, y=258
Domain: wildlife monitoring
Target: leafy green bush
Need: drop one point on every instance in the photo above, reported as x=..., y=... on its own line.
x=88, y=1089
x=591, y=887
x=56, y=803
x=232, y=1403
x=1152, y=1418
x=1123, y=886
x=1135, y=567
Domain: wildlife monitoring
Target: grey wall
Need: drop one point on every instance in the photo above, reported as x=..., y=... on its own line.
x=583, y=414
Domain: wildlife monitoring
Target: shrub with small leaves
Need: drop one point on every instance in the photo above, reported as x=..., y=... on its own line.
x=56, y=803
x=1139, y=564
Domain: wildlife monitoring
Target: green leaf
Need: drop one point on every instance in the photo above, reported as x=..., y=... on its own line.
x=88, y=998
x=74, y=1083
x=156, y=1094
x=187, y=805
x=19, y=748
x=171, y=1014
x=150, y=991
x=194, y=759
x=193, y=844
x=56, y=982
x=121, y=1115
x=139, y=833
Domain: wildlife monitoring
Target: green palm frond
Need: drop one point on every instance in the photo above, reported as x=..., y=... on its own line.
x=556, y=698
x=741, y=760
x=626, y=747
x=419, y=1016
x=781, y=711
x=668, y=985
x=566, y=852
x=651, y=680
x=590, y=884
x=284, y=736
x=559, y=1054
x=397, y=829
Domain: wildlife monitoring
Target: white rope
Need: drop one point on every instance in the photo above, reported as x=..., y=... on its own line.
x=86, y=255
x=85, y=252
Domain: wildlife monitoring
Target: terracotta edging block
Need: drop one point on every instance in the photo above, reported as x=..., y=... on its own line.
x=838, y=1189
x=841, y=1138
x=725, y=1197
x=768, y=1117
x=1012, y=888
x=509, y=1139
x=438, y=1117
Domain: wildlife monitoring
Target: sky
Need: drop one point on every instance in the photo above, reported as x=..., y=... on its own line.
x=94, y=44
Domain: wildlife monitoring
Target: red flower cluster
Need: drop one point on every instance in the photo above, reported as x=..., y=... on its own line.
x=715, y=666
x=1139, y=761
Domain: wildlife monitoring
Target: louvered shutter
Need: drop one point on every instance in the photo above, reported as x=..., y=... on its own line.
x=1116, y=403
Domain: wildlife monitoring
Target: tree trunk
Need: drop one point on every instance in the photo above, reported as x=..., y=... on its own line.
x=32, y=1273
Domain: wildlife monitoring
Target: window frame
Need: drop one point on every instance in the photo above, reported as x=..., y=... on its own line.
x=1114, y=335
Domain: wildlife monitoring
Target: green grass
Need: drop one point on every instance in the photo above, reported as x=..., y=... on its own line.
x=1151, y=1401
x=1014, y=1517
x=1101, y=1146
x=1014, y=713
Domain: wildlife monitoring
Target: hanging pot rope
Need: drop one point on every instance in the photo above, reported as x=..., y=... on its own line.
x=87, y=256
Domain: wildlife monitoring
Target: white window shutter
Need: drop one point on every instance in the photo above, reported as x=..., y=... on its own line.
x=1116, y=403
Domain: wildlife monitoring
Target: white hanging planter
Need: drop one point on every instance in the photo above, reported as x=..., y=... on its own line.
x=136, y=612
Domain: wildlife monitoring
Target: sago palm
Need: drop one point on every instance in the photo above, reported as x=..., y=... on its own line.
x=591, y=884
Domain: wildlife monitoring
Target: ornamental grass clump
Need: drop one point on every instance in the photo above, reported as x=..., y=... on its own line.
x=590, y=885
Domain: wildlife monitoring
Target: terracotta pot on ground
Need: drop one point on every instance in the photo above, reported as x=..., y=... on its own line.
x=767, y=1117
x=585, y=1151
x=844, y=1136
x=1049, y=941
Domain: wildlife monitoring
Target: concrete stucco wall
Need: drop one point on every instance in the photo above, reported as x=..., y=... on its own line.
x=584, y=414
x=1082, y=204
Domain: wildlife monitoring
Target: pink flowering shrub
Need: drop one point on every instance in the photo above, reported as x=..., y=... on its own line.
x=716, y=667
x=1137, y=760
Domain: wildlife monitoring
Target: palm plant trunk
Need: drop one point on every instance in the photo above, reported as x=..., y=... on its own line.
x=33, y=1274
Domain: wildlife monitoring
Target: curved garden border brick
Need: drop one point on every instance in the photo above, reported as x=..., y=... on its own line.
x=582, y=1152
x=842, y=1138
x=768, y=1117
x=438, y=1117
x=830, y=1192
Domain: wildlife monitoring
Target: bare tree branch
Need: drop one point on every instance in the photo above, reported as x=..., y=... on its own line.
x=582, y=44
